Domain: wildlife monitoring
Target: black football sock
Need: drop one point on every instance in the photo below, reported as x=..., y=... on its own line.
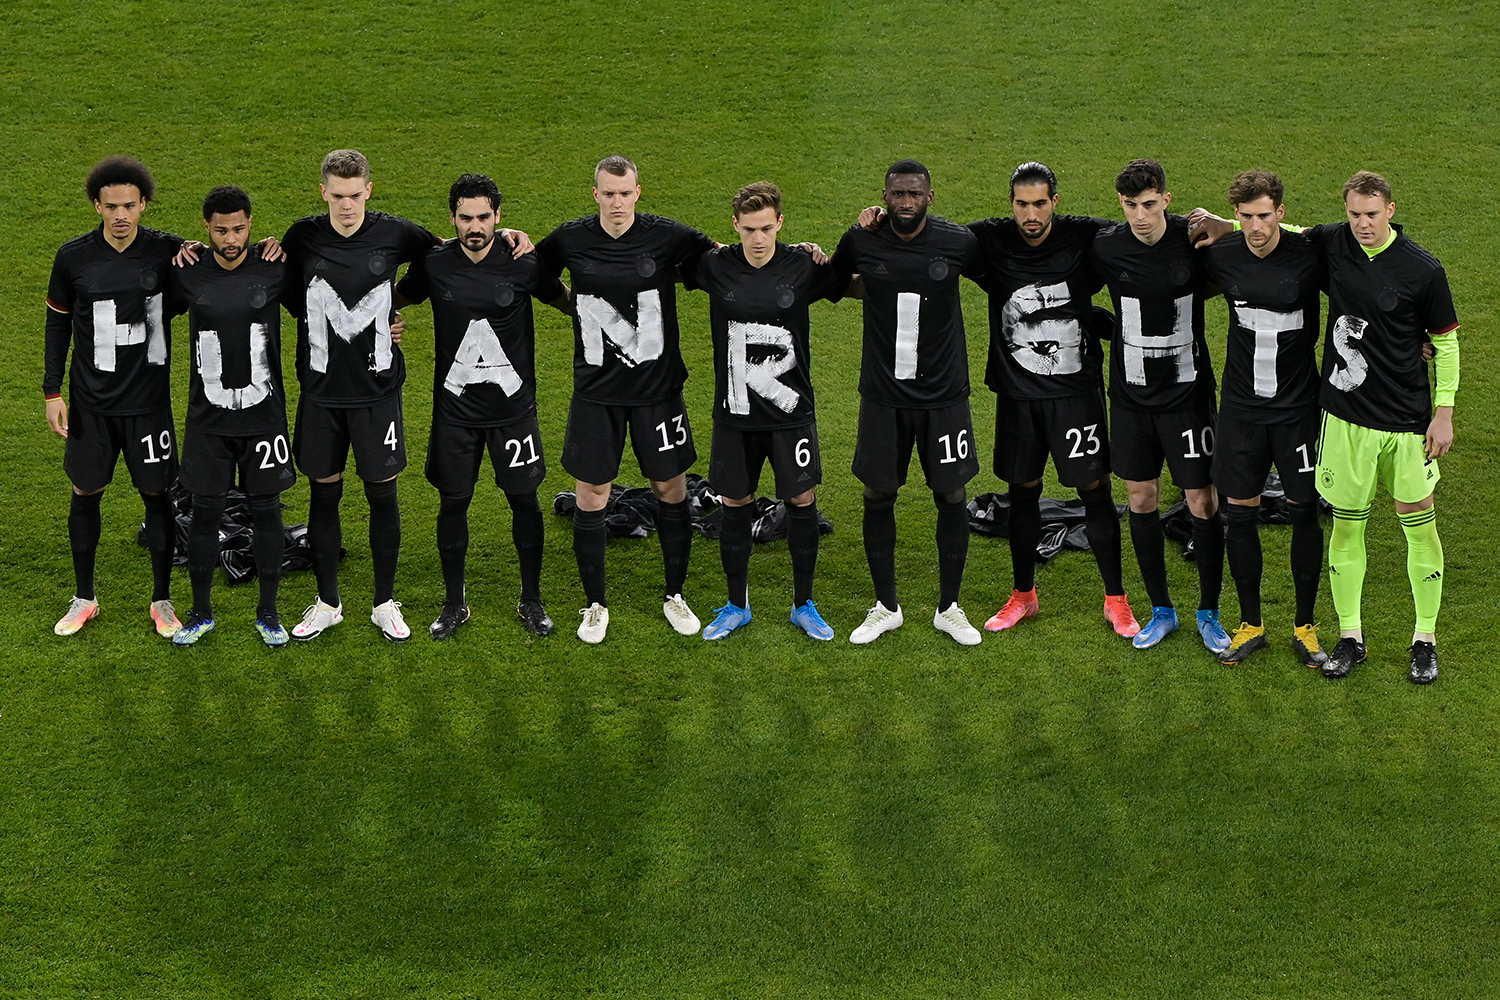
x=526, y=532
x=1025, y=534
x=203, y=551
x=880, y=547
x=1307, y=558
x=270, y=549
x=161, y=538
x=1101, y=522
x=325, y=535
x=1151, y=556
x=85, y=524
x=1245, y=558
x=953, y=548
x=385, y=537
x=674, y=526
x=802, y=536
x=1208, y=552
x=589, y=539
x=453, y=542
x=734, y=553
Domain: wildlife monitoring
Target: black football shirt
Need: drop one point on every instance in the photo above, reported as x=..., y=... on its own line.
x=234, y=326
x=1379, y=313
x=1041, y=305
x=344, y=300
x=626, y=349
x=485, y=330
x=1158, y=360
x=122, y=334
x=758, y=318
x=915, y=355
x=1270, y=363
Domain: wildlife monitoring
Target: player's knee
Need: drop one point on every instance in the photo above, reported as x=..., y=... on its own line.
x=802, y=499
x=1202, y=503
x=877, y=500
x=949, y=498
x=454, y=503
x=1025, y=491
x=523, y=503
x=382, y=495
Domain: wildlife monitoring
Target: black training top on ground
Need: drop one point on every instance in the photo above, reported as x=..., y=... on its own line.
x=1158, y=361
x=626, y=350
x=1270, y=362
x=343, y=301
x=1379, y=313
x=758, y=316
x=485, y=330
x=234, y=328
x=915, y=354
x=122, y=339
x=1041, y=304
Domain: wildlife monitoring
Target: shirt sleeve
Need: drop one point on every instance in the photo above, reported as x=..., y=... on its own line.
x=60, y=287
x=693, y=268
x=1438, y=314
x=550, y=253
x=828, y=282
x=416, y=240
x=413, y=286
x=695, y=243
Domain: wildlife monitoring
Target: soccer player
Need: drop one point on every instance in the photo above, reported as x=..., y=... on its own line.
x=1161, y=391
x=236, y=416
x=484, y=390
x=627, y=374
x=1046, y=368
x=106, y=297
x=759, y=292
x=1386, y=296
x=1268, y=413
x=344, y=268
x=914, y=388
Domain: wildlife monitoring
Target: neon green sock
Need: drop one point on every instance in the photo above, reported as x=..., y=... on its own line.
x=1346, y=564
x=1424, y=565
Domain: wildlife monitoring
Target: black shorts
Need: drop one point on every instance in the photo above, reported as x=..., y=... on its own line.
x=1073, y=430
x=659, y=434
x=210, y=461
x=95, y=442
x=737, y=457
x=325, y=434
x=1185, y=438
x=454, y=454
x=1245, y=452
x=944, y=440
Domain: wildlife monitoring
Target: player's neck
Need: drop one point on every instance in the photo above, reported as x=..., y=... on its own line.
x=230, y=265
x=346, y=231
x=1152, y=237
x=761, y=263
x=1271, y=244
x=477, y=255
x=120, y=246
x=616, y=230
x=908, y=237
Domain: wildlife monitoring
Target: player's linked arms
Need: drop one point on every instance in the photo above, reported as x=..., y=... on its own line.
x=520, y=243
x=270, y=250
x=1205, y=228
x=818, y=256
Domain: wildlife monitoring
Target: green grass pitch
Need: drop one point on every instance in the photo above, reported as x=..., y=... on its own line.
x=1050, y=814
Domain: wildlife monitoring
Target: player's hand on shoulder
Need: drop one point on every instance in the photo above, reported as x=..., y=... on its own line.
x=818, y=256
x=398, y=327
x=520, y=243
x=872, y=217
x=1428, y=351
x=57, y=416
x=188, y=253
x=1205, y=228
x=270, y=250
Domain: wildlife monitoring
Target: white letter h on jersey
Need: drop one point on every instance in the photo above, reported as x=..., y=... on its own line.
x=109, y=334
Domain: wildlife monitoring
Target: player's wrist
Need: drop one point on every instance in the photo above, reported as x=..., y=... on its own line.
x=50, y=396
